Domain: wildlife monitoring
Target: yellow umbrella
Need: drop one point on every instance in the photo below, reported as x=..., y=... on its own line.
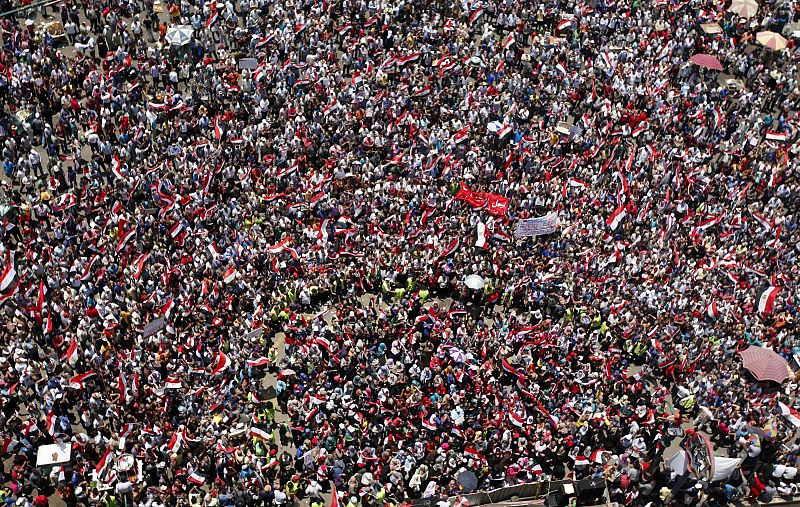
x=771, y=40
x=744, y=8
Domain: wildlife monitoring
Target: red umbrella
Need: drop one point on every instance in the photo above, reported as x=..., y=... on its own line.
x=707, y=61
x=765, y=364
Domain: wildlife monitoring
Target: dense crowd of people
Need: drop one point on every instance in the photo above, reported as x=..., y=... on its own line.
x=233, y=265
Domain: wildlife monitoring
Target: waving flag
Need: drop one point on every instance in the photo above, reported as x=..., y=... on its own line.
x=77, y=381
x=125, y=237
x=564, y=24
x=71, y=355
x=616, y=218
x=87, y=270
x=196, y=478
x=255, y=363
x=766, y=300
x=259, y=433
x=230, y=275
x=8, y=277
x=176, y=441
x=116, y=167
x=449, y=250
x=477, y=13
x=221, y=363
x=212, y=18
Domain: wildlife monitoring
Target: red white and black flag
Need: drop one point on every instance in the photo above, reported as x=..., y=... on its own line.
x=765, y=301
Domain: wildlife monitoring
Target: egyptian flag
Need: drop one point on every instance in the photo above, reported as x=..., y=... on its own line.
x=168, y=306
x=256, y=363
x=212, y=18
x=8, y=278
x=616, y=218
x=116, y=167
x=776, y=136
x=139, y=263
x=509, y=40
x=104, y=465
x=230, y=275
x=429, y=424
x=77, y=381
x=461, y=135
x=172, y=383
x=518, y=418
x=176, y=441
x=125, y=237
x=279, y=247
x=473, y=453
x=126, y=430
x=413, y=57
x=506, y=366
x=422, y=92
x=766, y=300
x=8, y=446
x=196, y=478
x=597, y=456
x=475, y=15
x=334, y=497
x=72, y=351
x=40, y=301
x=48, y=323
x=87, y=270
x=311, y=415
x=792, y=415
x=483, y=235
x=221, y=363
x=581, y=461
x=50, y=423
x=345, y=28
x=451, y=248
x=176, y=230
x=260, y=43
x=712, y=310
x=563, y=25
x=121, y=386
x=259, y=433
x=217, y=129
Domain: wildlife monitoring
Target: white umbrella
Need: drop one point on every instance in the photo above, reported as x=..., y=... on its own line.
x=474, y=282
x=179, y=35
x=744, y=8
x=771, y=40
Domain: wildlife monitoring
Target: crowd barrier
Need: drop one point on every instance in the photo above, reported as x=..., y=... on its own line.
x=528, y=490
x=525, y=491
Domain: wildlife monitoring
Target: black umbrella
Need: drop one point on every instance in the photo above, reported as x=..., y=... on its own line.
x=468, y=481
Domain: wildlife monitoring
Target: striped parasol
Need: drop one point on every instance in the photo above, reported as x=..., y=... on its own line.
x=707, y=61
x=765, y=364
